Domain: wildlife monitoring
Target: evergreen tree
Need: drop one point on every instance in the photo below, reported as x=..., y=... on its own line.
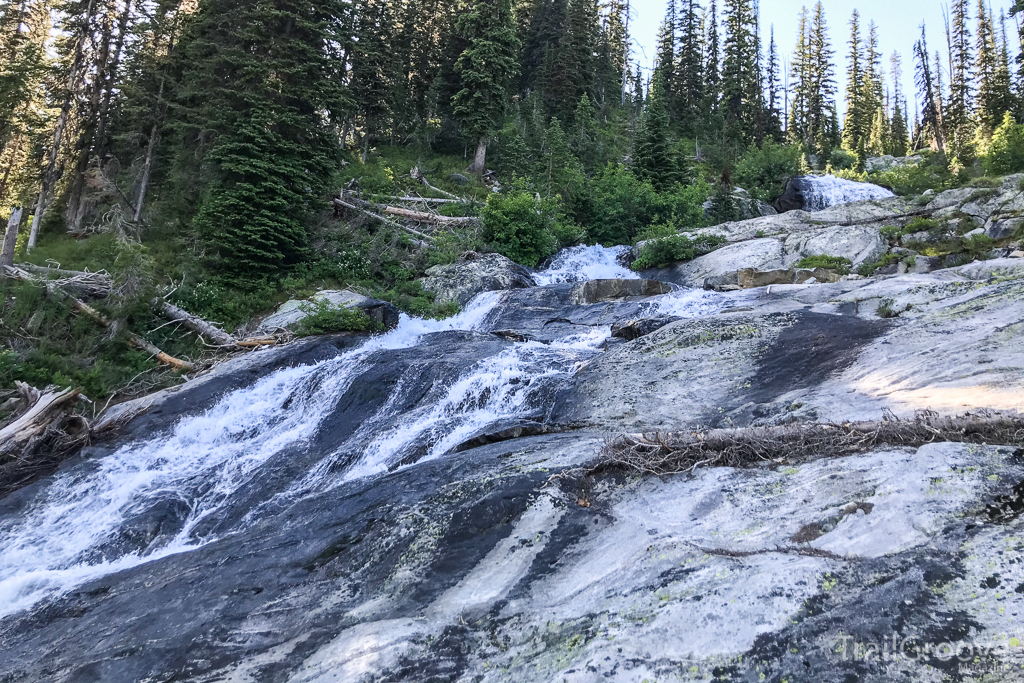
x=485, y=68
x=800, y=68
x=899, y=137
x=740, y=78
x=664, y=65
x=258, y=79
x=375, y=69
x=774, y=85
x=569, y=67
x=690, y=70
x=855, y=132
x=584, y=139
x=814, y=102
x=712, y=63
x=989, y=112
x=654, y=156
x=958, y=109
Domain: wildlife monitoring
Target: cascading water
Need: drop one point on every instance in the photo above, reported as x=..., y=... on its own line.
x=823, y=191
x=75, y=528
x=582, y=263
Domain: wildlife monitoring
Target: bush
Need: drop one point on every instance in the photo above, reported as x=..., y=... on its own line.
x=1006, y=152
x=841, y=160
x=323, y=318
x=662, y=252
x=840, y=264
x=621, y=205
x=930, y=174
x=518, y=226
x=763, y=172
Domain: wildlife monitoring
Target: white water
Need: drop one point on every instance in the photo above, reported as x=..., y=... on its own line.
x=203, y=461
x=823, y=191
x=69, y=534
x=582, y=263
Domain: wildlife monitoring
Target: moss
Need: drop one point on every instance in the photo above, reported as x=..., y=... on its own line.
x=840, y=264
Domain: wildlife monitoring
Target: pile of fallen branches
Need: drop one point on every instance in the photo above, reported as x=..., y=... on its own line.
x=83, y=284
x=679, y=452
x=42, y=433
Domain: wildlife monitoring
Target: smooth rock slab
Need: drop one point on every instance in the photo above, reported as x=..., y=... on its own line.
x=597, y=291
x=859, y=244
x=291, y=313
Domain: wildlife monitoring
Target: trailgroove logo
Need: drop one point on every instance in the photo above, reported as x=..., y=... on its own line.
x=917, y=650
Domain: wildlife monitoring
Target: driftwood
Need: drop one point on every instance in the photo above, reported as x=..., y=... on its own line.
x=35, y=443
x=43, y=408
x=677, y=452
x=419, y=216
x=82, y=283
x=201, y=327
x=342, y=203
x=424, y=200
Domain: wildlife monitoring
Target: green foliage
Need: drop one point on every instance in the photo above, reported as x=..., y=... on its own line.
x=410, y=296
x=662, y=252
x=486, y=66
x=519, y=227
x=323, y=318
x=886, y=309
x=841, y=160
x=840, y=264
x=1006, y=151
x=868, y=269
x=763, y=171
x=915, y=179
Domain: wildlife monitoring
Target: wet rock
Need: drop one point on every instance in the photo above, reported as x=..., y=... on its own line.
x=634, y=329
x=291, y=313
x=856, y=243
x=597, y=291
x=459, y=282
x=760, y=254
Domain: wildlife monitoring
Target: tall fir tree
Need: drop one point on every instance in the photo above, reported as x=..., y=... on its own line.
x=712, y=60
x=929, y=130
x=690, y=69
x=740, y=77
x=855, y=130
x=654, y=157
x=958, y=109
x=485, y=68
x=899, y=136
x=774, y=85
x=988, y=107
x=665, y=57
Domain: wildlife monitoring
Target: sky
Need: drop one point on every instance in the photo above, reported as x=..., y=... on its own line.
x=898, y=23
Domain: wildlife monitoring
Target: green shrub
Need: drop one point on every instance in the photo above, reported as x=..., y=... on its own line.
x=886, y=309
x=323, y=318
x=763, y=171
x=409, y=296
x=841, y=160
x=520, y=227
x=667, y=250
x=920, y=224
x=977, y=246
x=1006, y=151
x=868, y=269
x=840, y=264
x=930, y=174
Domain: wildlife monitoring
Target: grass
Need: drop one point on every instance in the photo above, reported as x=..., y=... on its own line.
x=840, y=264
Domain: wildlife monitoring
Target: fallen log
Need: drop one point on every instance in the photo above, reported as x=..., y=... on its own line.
x=201, y=327
x=417, y=174
x=93, y=285
x=419, y=216
x=371, y=214
x=134, y=340
x=19, y=438
x=678, y=452
x=425, y=200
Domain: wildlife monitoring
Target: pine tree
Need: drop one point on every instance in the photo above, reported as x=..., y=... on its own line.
x=712, y=63
x=568, y=68
x=485, y=68
x=690, y=70
x=774, y=85
x=584, y=141
x=855, y=132
x=1003, y=82
x=899, y=137
x=958, y=109
x=654, y=157
x=375, y=69
x=740, y=77
x=800, y=68
x=665, y=65
x=258, y=82
x=988, y=107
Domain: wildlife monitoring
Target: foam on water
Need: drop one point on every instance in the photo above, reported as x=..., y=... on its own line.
x=582, y=263
x=58, y=542
x=823, y=191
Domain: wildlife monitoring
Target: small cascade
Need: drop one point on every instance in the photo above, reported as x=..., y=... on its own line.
x=582, y=263
x=824, y=191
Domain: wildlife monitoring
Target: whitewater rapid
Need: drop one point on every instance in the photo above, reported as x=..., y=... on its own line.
x=69, y=533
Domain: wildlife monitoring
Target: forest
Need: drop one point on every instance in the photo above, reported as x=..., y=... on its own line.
x=221, y=156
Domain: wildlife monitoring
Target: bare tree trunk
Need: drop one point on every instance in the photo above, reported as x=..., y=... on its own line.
x=146, y=171
x=17, y=438
x=11, y=239
x=194, y=323
x=479, y=164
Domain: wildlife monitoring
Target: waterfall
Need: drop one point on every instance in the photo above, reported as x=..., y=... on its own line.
x=95, y=518
x=582, y=263
x=823, y=191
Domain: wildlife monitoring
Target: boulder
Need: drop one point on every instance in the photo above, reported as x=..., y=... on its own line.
x=857, y=243
x=1002, y=228
x=597, y=291
x=289, y=314
x=749, y=277
x=803, y=275
x=760, y=254
x=888, y=162
x=817, y=192
x=640, y=327
x=746, y=206
x=475, y=273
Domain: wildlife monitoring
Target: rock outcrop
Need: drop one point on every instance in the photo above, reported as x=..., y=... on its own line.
x=289, y=314
x=475, y=273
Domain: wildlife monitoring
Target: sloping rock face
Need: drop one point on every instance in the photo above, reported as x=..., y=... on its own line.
x=814, y=193
x=291, y=313
x=463, y=559
x=460, y=282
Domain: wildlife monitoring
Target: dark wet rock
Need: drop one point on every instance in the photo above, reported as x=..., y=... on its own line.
x=459, y=282
x=634, y=329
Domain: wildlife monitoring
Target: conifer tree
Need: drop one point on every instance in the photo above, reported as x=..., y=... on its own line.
x=375, y=69
x=774, y=85
x=958, y=109
x=987, y=103
x=664, y=66
x=568, y=68
x=690, y=70
x=712, y=63
x=258, y=79
x=740, y=77
x=899, y=138
x=822, y=128
x=485, y=68
x=855, y=131
x=796, y=127
x=654, y=157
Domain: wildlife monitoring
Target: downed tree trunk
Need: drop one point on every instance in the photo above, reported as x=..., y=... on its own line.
x=419, y=216
x=34, y=444
x=193, y=322
x=425, y=200
x=21, y=436
x=133, y=339
x=417, y=174
x=342, y=203
x=94, y=285
x=673, y=453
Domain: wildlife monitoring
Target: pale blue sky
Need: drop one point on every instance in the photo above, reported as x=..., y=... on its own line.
x=898, y=27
